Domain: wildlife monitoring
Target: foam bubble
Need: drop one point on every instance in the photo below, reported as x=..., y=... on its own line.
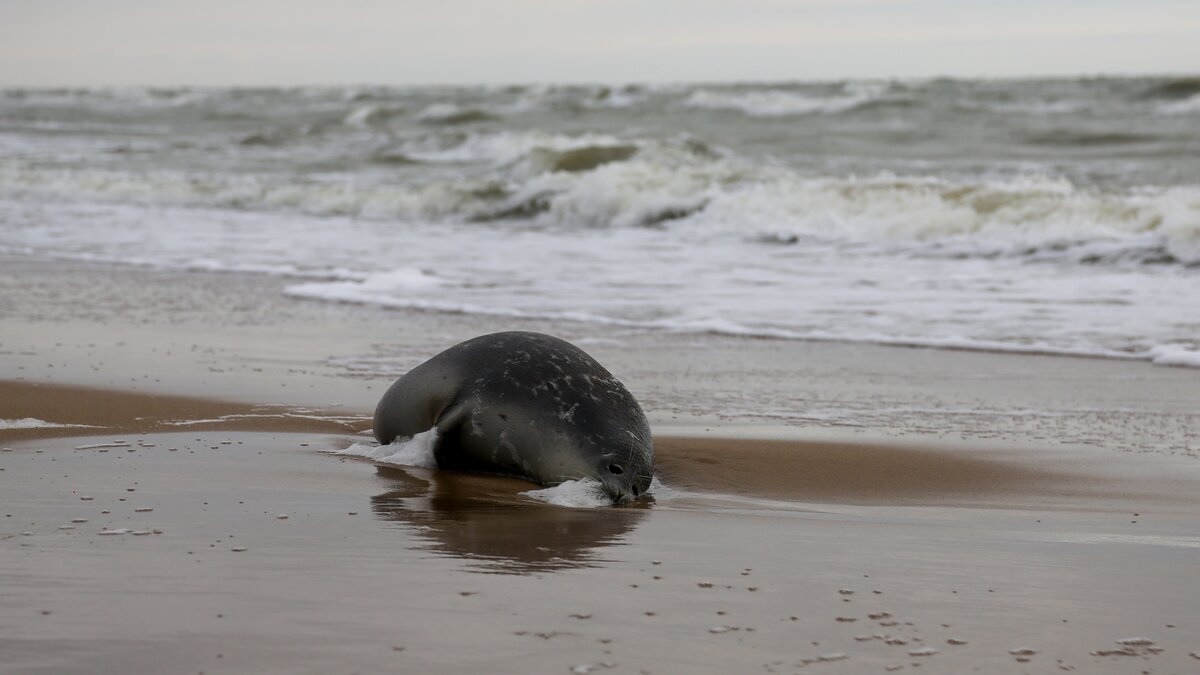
x=374, y=288
x=778, y=103
x=34, y=423
x=582, y=493
x=414, y=451
x=1175, y=355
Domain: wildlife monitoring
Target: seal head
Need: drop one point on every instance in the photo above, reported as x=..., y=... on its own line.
x=528, y=405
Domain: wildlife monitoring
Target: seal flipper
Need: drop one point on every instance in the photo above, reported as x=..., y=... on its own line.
x=462, y=446
x=412, y=405
x=449, y=451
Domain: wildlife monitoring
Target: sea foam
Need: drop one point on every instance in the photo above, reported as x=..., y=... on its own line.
x=34, y=423
x=415, y=451
x=778, y=103
x=582, y=493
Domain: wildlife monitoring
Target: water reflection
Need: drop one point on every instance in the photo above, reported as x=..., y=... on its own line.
x=484, y=519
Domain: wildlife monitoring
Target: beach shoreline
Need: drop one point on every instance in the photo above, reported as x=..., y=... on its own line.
x=793, y=466
x=823, y=508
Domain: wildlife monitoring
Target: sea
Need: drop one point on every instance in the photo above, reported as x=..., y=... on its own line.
x=1056, y=216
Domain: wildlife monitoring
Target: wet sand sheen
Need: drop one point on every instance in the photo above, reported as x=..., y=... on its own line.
x=816, y=471
x=228, y=551
x=125, y=412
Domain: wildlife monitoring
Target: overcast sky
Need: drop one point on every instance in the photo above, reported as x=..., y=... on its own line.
x=289, y=42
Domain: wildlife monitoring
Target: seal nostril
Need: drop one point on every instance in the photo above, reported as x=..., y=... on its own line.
x=616, y=468
x=635, y=490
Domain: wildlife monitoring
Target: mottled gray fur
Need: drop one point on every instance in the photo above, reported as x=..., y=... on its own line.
x=524, y=404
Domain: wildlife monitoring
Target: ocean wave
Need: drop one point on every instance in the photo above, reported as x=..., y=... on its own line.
x=452, y=113
x=1078, y=138
x=584, y=158
x=1180, y=88
x=371, y=115
x=584, y=98
x=779, y=103
x=1186, y=106
x=510, y=148
x=1033, y=107
x=602, y=181
x=367, y=292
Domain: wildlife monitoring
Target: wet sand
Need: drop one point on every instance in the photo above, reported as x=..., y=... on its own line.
x=826, y=508
x=221, y=549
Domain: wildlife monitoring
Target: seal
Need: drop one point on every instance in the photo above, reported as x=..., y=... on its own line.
x=527, y=405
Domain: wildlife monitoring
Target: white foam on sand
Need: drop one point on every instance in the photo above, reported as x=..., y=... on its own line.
x=34, y=423
x=582, y=493
x=415, y=451
x=588, y=493
x=1175, y=355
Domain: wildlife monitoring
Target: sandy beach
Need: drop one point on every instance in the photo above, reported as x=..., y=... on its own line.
x=964, y=512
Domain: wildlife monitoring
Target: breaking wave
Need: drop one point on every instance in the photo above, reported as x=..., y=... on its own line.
x=782, y=102
x=1030, y=215
x=599, y=182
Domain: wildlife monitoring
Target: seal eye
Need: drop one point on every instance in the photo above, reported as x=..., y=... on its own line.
x=616, y=468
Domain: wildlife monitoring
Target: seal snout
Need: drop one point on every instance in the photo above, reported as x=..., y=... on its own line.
x=624, y=481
